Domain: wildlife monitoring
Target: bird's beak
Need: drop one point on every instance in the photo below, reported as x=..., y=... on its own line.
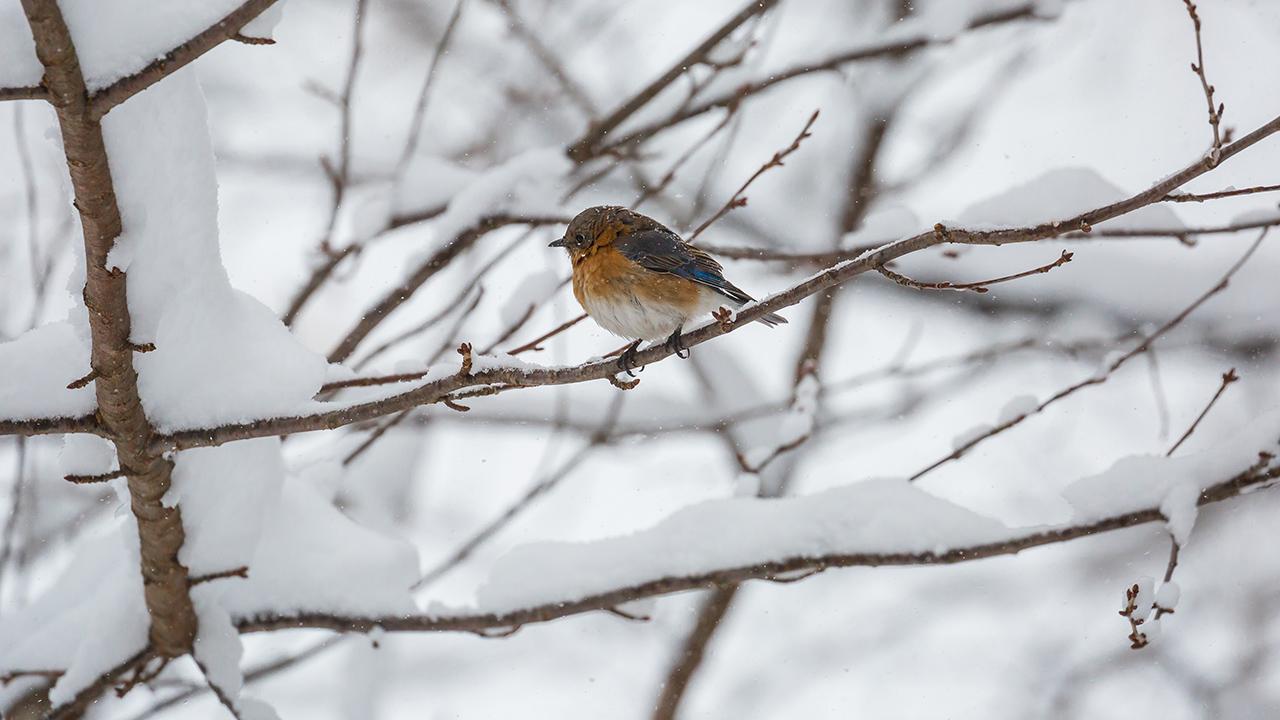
x=561, y=242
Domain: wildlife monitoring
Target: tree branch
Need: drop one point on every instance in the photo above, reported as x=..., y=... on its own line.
x=526, y=377
x=120, y=411
x=589, y=145
x=1238, y=484
x=225, y=29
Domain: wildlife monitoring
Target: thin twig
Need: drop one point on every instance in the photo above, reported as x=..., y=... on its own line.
x=738, y=199
x=1106, y=372
x=978, y=287
x=1202, y=197
x=1228, y=377
x=588, y=146
x=535, y=344
x=424, y=93
x=1197, y=67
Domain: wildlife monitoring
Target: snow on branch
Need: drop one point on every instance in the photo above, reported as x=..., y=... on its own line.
x=870, y=524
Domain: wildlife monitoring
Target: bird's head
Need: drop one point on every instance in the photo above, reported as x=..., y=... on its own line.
x=597, y=226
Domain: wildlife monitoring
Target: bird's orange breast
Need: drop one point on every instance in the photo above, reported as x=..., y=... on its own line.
x=606, y=274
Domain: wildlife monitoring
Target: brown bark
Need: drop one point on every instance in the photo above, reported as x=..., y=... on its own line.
x=120, y=413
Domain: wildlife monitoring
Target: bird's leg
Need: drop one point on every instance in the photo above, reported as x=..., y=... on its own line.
x=627, y=359
x=676, y=345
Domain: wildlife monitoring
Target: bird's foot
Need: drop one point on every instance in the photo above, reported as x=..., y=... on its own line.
x=675, y=344
x=627, y=359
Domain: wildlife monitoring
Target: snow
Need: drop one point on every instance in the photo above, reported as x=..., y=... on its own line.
x=532, y=291
x=868, y=517
x=883, y=224
x=212, y=341
x=874, y=516
x=1168, y=595
x=963, y=439
x=529, y=183
x=1018, y=406
x=429, y=183
x=1144, y=481
x=1143, y=602
x=18, y=63
x=100, y=589
x=35, y=368
x=86, y=455
x=225, y=494
x=1062, y=192
x=264, y=26
x=311, y=555
x=1179, y=508
x=118, y=38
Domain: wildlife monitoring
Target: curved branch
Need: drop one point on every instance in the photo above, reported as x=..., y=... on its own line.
x=437, y=390
x=225, y=29
x=1241, y=483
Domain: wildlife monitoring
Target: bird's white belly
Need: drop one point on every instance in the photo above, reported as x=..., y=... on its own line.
x=630, y=318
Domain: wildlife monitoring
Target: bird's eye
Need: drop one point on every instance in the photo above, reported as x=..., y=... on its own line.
x=580, y=239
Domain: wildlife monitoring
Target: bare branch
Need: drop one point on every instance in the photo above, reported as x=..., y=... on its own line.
x=738, y=200
x=536, y=343
x=1197, y=67
x=978, y=287
x=1202, y=197
x=588, y=146
x=1105, y=374
x=891, y=49
x=1228, y=377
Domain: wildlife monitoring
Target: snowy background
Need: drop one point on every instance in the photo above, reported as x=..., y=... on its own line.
x=1023, y=121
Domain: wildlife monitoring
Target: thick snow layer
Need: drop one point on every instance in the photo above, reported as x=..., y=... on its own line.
x=113, y=39
x=213, y=343
x=1145, y=481
x=87, y=621
x=35, y=368
x=876, y=516
x=311, y=556
x=872, y=516
x=225, y=494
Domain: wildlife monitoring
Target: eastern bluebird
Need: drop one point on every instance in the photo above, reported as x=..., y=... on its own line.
x=639, y=280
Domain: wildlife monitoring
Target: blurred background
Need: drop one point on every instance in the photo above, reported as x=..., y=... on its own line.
x=1000, y=112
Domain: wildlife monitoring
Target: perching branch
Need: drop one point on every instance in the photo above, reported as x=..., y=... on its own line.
x=434, y=391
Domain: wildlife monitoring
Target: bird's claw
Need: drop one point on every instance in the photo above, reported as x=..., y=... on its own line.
x=627, y=359
x=675, y=344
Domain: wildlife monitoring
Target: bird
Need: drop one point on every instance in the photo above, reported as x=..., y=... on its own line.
x=640, y=280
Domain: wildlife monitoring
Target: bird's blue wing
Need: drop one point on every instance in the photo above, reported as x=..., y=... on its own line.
x=663, y=251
